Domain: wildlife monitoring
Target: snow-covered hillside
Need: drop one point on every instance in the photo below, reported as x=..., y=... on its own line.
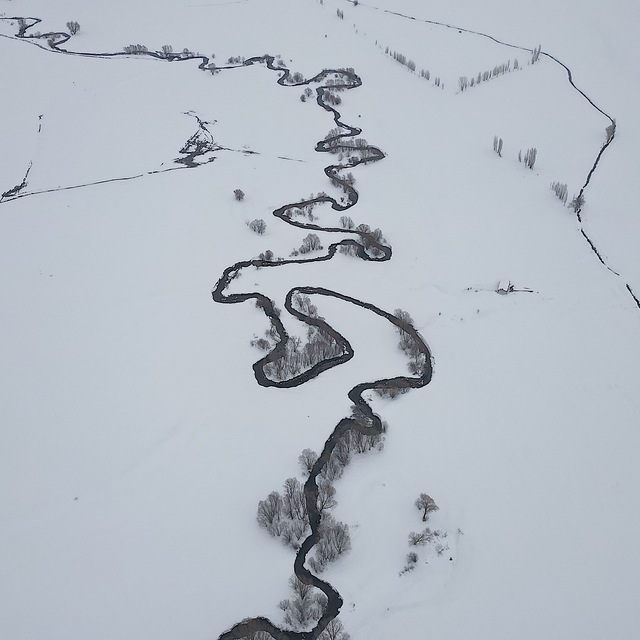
x=135, y=443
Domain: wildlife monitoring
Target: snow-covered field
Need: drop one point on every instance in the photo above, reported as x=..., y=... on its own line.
x=135, y=443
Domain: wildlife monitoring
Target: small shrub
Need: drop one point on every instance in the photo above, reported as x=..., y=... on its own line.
x=577, y=203
x=261, y=343
x=611, y=130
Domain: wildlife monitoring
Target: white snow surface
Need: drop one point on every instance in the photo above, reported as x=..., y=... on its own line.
x=134, y=440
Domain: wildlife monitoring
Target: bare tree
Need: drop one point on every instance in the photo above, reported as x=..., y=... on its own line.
x=426, y=504
x=305, y=607
x=73, y=27
x=334, y=631
x=529, y=157
x=307, y=459
x=420, y=538
x=258, y=225
x=239, y=194
x=326, y=495
x=269, y=510
x=293, y=501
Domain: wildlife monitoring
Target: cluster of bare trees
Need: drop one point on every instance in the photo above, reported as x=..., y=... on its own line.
x=74, y=27
x=402, y=59
x=417, y=359
x=333, y=631
x=529, y=157
x=299, y=357
x=411, y=348
x=368, y=239
x=334, y=541
x=535, y=54
x=351, y=443
x=310, y=242
x=465, y=83
x=426, y=504
x=411, y=65
x=330, y=97
x=285, y=515
x=353, y=149
x=339, y=181
x=135, y=49
x=304, y=211
x=306, y=94
x=320, y=346
x=577, y=203
x=346, y=222
x=561, y=191
x=305, y=608
x=166, y=51
x=497, y=145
